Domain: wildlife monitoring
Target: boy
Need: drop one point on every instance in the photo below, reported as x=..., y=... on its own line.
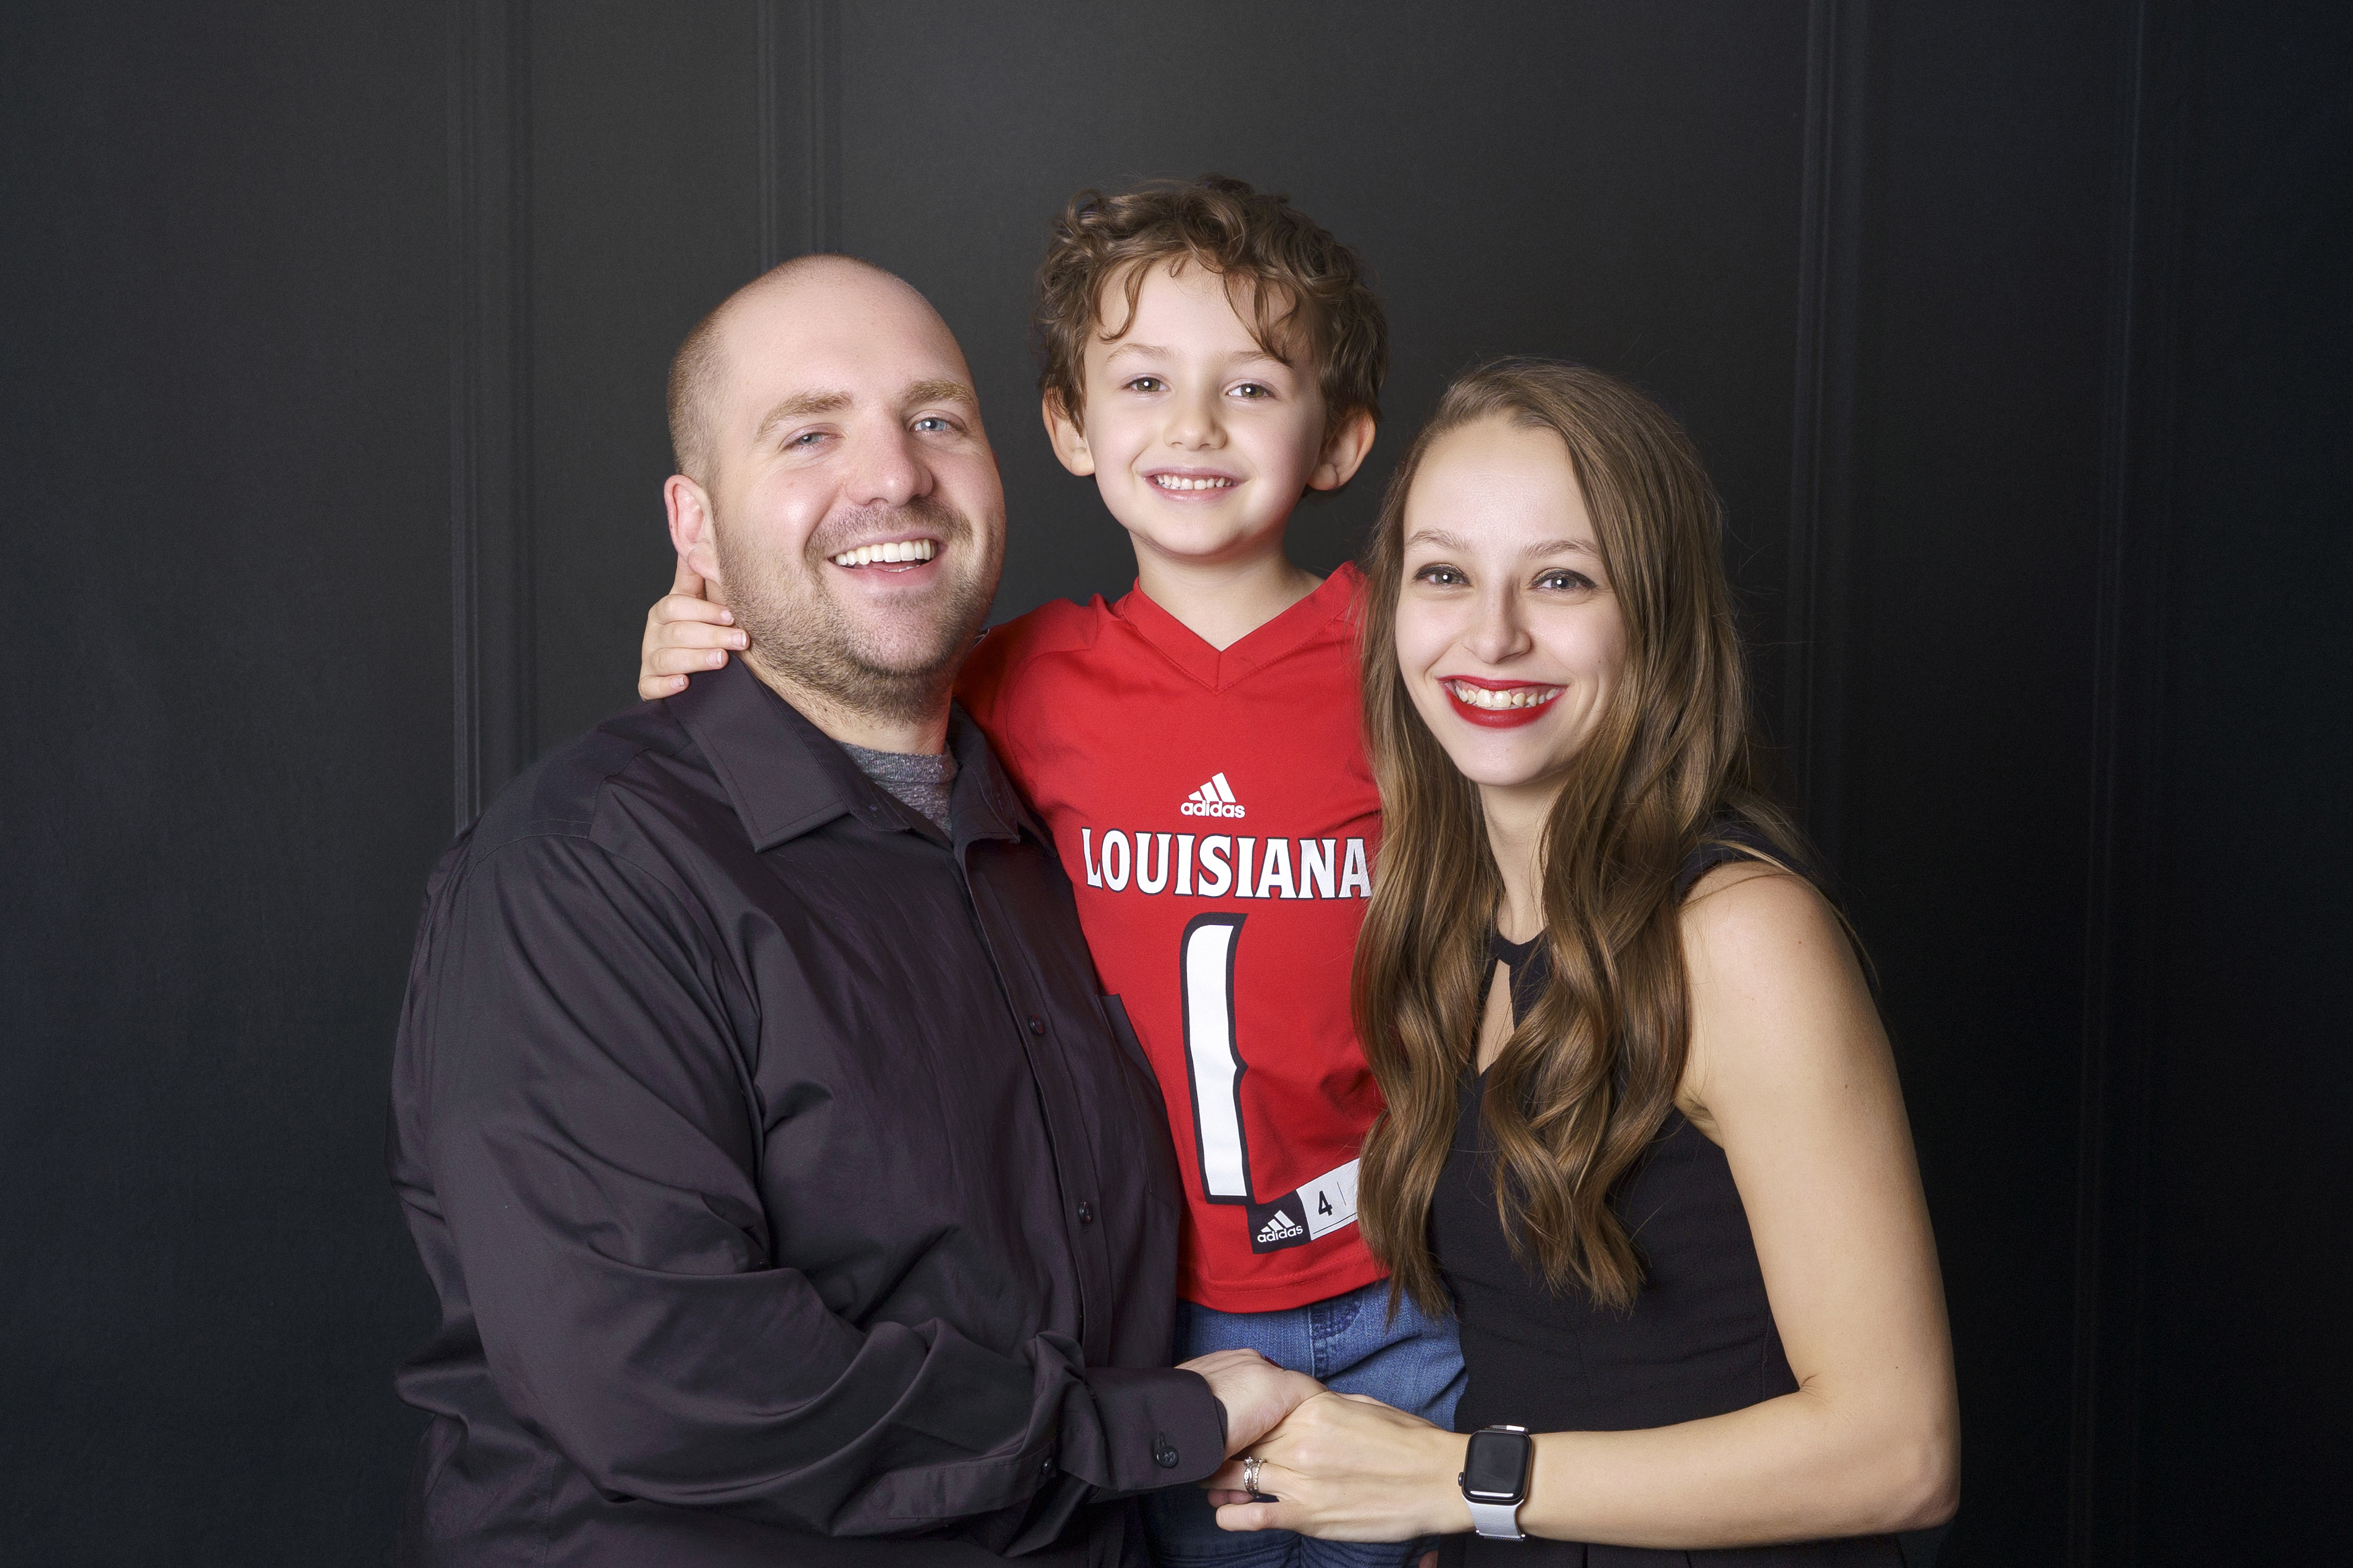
x=1210, y=355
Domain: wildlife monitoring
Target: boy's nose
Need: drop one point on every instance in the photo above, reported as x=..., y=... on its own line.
x=1193, y=424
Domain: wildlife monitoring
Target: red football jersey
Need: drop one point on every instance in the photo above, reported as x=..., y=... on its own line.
x=1219, y=821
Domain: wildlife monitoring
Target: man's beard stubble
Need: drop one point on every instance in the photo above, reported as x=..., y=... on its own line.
x=804, y=634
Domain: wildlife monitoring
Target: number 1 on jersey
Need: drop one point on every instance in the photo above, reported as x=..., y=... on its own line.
x=1212, y=1060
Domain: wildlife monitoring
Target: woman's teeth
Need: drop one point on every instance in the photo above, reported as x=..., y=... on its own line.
x=1173, y=482
x=1510, y=697
x=905, y=550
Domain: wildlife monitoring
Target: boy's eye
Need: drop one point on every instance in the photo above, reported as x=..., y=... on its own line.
x=1440, y=576
x=1252, y=390
x=1147, y=384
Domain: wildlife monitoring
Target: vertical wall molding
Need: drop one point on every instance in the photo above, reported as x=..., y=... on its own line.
x=1822, y=478
x=489, y=425
x=800, y=128
x=2127, y=897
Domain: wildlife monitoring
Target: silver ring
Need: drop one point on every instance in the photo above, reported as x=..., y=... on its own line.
x=1251, y=1466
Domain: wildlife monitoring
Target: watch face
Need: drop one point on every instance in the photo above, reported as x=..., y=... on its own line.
x=1496, y=1468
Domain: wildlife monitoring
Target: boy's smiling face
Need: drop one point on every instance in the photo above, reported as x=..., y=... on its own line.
x=1200, y=439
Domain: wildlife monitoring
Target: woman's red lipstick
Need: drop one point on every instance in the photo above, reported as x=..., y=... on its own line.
x=1499, y=717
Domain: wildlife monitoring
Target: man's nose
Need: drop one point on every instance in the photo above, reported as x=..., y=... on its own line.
x=887, y=468
x=1500, y=634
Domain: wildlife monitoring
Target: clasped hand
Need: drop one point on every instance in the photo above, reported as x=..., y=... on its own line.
x=1339, y=1466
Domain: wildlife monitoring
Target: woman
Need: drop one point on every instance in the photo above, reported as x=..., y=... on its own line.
x=1643, y=1135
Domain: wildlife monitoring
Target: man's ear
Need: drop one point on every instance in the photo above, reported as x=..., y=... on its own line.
x=692, y=529
x=1343, y=452
x=1069, y=441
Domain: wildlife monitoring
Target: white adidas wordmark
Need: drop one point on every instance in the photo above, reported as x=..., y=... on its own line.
x=1279, y=1227
x=1215, y=798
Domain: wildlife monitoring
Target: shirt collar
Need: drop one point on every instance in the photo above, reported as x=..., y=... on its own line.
x=1218, y=668
x=786, y=777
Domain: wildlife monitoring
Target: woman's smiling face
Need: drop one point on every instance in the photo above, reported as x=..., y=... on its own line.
x=1508, y=635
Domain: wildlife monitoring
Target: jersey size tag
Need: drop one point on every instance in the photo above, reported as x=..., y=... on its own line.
x=1316, y=1210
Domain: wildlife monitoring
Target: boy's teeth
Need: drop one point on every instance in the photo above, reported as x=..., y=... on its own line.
x=1173, y=482
x=1513, y=697
x=903, y=550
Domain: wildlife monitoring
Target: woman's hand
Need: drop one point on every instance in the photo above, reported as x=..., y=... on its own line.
x=1347, y=1468
x=685, y=635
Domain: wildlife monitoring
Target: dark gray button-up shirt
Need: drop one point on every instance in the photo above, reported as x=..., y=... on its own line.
x=791, y=1194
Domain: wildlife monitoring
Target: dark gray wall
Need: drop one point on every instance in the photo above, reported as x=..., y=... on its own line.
x=2016, y=335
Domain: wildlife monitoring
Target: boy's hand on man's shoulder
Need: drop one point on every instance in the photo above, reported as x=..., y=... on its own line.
x=686, y=635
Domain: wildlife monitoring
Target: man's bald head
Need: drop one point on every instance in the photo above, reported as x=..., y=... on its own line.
x=698, y=375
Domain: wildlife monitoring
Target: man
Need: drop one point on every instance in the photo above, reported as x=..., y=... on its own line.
x=788, y=1192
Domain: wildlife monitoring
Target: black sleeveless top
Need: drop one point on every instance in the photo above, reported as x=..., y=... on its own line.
x=1699, y=1340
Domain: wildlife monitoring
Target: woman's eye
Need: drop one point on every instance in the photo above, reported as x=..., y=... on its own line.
x=1440, y=576
x=1564, y=581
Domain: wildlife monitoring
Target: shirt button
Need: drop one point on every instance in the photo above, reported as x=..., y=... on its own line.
x=1037, y=1024
x=1086, y=1212
x=1163, y=1453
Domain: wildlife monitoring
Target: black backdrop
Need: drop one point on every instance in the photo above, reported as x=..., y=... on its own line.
x=2017, y=336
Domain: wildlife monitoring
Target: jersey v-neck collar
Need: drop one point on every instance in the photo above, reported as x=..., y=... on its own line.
x=1219, y=669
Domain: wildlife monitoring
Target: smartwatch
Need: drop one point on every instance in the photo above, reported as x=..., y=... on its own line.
x=1495, y=1480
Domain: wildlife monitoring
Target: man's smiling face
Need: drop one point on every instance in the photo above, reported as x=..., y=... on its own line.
x=852, y=517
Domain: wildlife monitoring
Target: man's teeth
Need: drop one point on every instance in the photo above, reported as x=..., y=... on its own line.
x=1176, y=482
x=1510, y=697
x=905, y=550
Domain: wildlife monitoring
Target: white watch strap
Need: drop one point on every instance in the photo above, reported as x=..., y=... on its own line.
x=1496, y=1521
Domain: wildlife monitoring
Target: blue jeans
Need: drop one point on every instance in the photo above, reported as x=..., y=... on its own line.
x=1346, y=1342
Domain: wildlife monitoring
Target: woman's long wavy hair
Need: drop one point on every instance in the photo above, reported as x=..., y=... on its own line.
x=1587, y=1077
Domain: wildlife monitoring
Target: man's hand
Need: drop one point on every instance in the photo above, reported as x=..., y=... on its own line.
x=1256, y=1393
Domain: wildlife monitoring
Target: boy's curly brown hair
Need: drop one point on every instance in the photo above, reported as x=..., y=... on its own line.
x=1310, y=300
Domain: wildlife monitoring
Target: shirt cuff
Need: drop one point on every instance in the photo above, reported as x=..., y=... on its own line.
x=1162, y=1428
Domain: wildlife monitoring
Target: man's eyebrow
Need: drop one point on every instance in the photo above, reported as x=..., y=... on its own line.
x=940, y=391
x=799, y=406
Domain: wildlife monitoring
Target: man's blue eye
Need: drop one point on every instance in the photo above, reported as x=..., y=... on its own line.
x=933, y=420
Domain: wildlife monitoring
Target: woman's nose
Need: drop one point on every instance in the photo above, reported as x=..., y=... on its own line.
x=1498, y=635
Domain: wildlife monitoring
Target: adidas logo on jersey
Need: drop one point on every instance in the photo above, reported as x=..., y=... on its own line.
x=1281, y=1227
x=1215, y=798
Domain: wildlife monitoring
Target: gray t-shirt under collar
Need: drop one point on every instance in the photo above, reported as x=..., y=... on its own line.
x=920, y=780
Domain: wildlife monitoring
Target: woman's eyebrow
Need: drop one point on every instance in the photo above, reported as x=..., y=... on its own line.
x=1445, y=541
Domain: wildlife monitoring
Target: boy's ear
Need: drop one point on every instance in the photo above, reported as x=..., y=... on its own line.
x=1069, y=441
x=1344, y=451
x=692, y=529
